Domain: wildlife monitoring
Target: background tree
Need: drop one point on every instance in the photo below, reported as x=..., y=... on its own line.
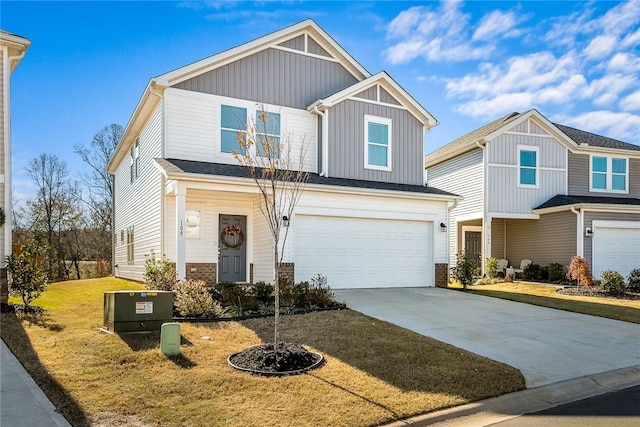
x=280, y=178
x=53, y=208
x=28, y=277
x=99, y=195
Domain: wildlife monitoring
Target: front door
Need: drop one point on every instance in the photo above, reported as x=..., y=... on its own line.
x=232, y=261
x=473, y=245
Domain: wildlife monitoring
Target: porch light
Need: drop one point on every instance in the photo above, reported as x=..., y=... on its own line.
x=443, y=227
x=285, y=221
x=588, y=232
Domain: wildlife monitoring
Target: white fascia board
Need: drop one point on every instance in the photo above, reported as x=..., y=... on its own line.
x=380, y=78
x=147, y=103
x=591, y=207
x=614, y=224
x=590, y=149
x=207, y=64
x=509, y=215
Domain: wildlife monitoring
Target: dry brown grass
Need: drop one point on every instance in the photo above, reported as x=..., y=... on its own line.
x=375, y=372
x=546, y=296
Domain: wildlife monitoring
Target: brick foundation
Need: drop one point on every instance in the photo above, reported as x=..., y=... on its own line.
x=442, y=275
x=205, y=271
x=287, y=271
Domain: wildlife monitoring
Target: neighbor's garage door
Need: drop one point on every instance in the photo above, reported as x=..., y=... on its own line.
x=364, y=253
x=616, y=246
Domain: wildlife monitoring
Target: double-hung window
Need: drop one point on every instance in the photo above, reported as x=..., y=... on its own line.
x=609, y=174
x=268, y=134
x=377, y=143
x=233, y=124
x=130, y=252
x=527, y=166
x=134, y=160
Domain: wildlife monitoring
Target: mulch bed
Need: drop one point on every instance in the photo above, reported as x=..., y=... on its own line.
x=596, y=291
x=265, y=359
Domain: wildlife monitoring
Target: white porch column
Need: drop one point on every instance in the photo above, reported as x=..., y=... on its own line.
x=486, y=240
x=181, y=267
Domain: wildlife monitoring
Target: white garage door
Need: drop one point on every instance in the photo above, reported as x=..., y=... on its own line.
x=616, y=246
x=364, y=253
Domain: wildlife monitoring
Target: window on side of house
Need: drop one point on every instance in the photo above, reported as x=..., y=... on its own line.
x=268, y=134
x=134, y=161
x=233, y=126
x=609, y=174
x=527, y=166
x=130, y=253
x=377, y=143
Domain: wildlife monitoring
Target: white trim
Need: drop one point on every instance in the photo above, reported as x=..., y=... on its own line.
x=614, y=224
x=535, y=149
x=544, y=168
x=305, y=52
x=541, y=135
x=510, y=215
x=381, y=121
x=609, y=175
x=469, y=217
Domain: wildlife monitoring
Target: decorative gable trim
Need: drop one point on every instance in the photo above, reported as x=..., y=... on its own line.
x=320, y=46
x=379, y=89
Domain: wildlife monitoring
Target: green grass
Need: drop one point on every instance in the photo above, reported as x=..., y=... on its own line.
x=375, y=372
x=546, y=296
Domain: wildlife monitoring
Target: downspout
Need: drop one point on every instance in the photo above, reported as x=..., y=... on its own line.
x=163, y=207
x=324, y=142
x=579, y=238
x=449, y=209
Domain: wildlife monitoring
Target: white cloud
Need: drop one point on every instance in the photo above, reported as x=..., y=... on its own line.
x=600, y=47
x=607, y=89
x=624, y=62
x=495, y=24
x=490, y=109
x=620, y=125
x=572, y=88
x=631, y=102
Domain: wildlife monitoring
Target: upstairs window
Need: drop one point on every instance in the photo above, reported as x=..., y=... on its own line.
x=130, y=253
x=609, y=174
x=528, y=166
x=134, y=160
x=268, y=134
x=377, y=143
x=233, y=124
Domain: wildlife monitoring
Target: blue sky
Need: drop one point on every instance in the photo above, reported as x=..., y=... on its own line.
x=467, y=63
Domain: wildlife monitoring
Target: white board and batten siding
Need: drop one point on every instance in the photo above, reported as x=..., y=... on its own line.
x=367, y=241
x=462, y=175
x=193, y=127
x=505, y=194
x=139, y=203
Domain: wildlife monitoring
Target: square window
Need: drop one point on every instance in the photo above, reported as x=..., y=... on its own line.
x=619, y=166
x=609, y=174
x=599, y=164
x=618, y=182
x=599, y=181
x=268, y=134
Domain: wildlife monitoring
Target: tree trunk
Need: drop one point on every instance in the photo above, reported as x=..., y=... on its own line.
x=276, y=320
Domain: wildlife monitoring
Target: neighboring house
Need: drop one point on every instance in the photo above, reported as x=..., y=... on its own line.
x=12, y=50
x=541, y=191
x=366, y=217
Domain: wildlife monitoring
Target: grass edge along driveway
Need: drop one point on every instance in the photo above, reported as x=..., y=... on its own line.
x=375, y=372
x=546, y=296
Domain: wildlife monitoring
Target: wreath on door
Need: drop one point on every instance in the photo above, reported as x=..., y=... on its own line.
x=232, y=236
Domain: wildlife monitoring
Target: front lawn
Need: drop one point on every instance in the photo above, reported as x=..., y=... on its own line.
x=546, y=296
x=375, y=372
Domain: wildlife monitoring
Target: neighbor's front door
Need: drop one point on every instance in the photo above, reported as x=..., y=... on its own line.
x=473, y=245
x=232, y=244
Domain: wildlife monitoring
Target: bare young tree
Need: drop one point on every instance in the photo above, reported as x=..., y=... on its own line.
x=99, y=194
x=276, y=165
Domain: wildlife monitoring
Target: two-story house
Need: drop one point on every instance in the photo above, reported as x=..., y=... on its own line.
x=366, y=217
x=542, y=191
x=12, y=50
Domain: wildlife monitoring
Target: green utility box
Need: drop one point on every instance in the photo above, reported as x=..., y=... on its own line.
x=137, y=311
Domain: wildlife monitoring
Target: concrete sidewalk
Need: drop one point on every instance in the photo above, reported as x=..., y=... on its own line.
x=546, y=345
x=22, y=402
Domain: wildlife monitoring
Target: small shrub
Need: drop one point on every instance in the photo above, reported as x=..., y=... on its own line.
x=288, y=294
x=535, y=273
x=579, y=270
x=234, y=294
x=466, y=268
x=612, y=282
x=159, y=274
x=633, y=281
x=491, y=267
x=263, y=292
x=191, y=299
x=556, y=272
x=320, y=294
x=28, y=276
x=508, y=279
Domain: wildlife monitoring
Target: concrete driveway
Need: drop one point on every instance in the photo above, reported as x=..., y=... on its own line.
x=546, y=345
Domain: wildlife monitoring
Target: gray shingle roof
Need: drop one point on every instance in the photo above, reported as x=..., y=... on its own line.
x=238, y=171
x=583, y=137
x=562, y=200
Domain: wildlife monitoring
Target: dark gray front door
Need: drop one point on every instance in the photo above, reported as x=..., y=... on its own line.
x=473, y=245
x=232, y=243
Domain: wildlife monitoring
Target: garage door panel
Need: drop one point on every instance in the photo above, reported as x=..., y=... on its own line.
x=616, y=248
x=356, y=252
